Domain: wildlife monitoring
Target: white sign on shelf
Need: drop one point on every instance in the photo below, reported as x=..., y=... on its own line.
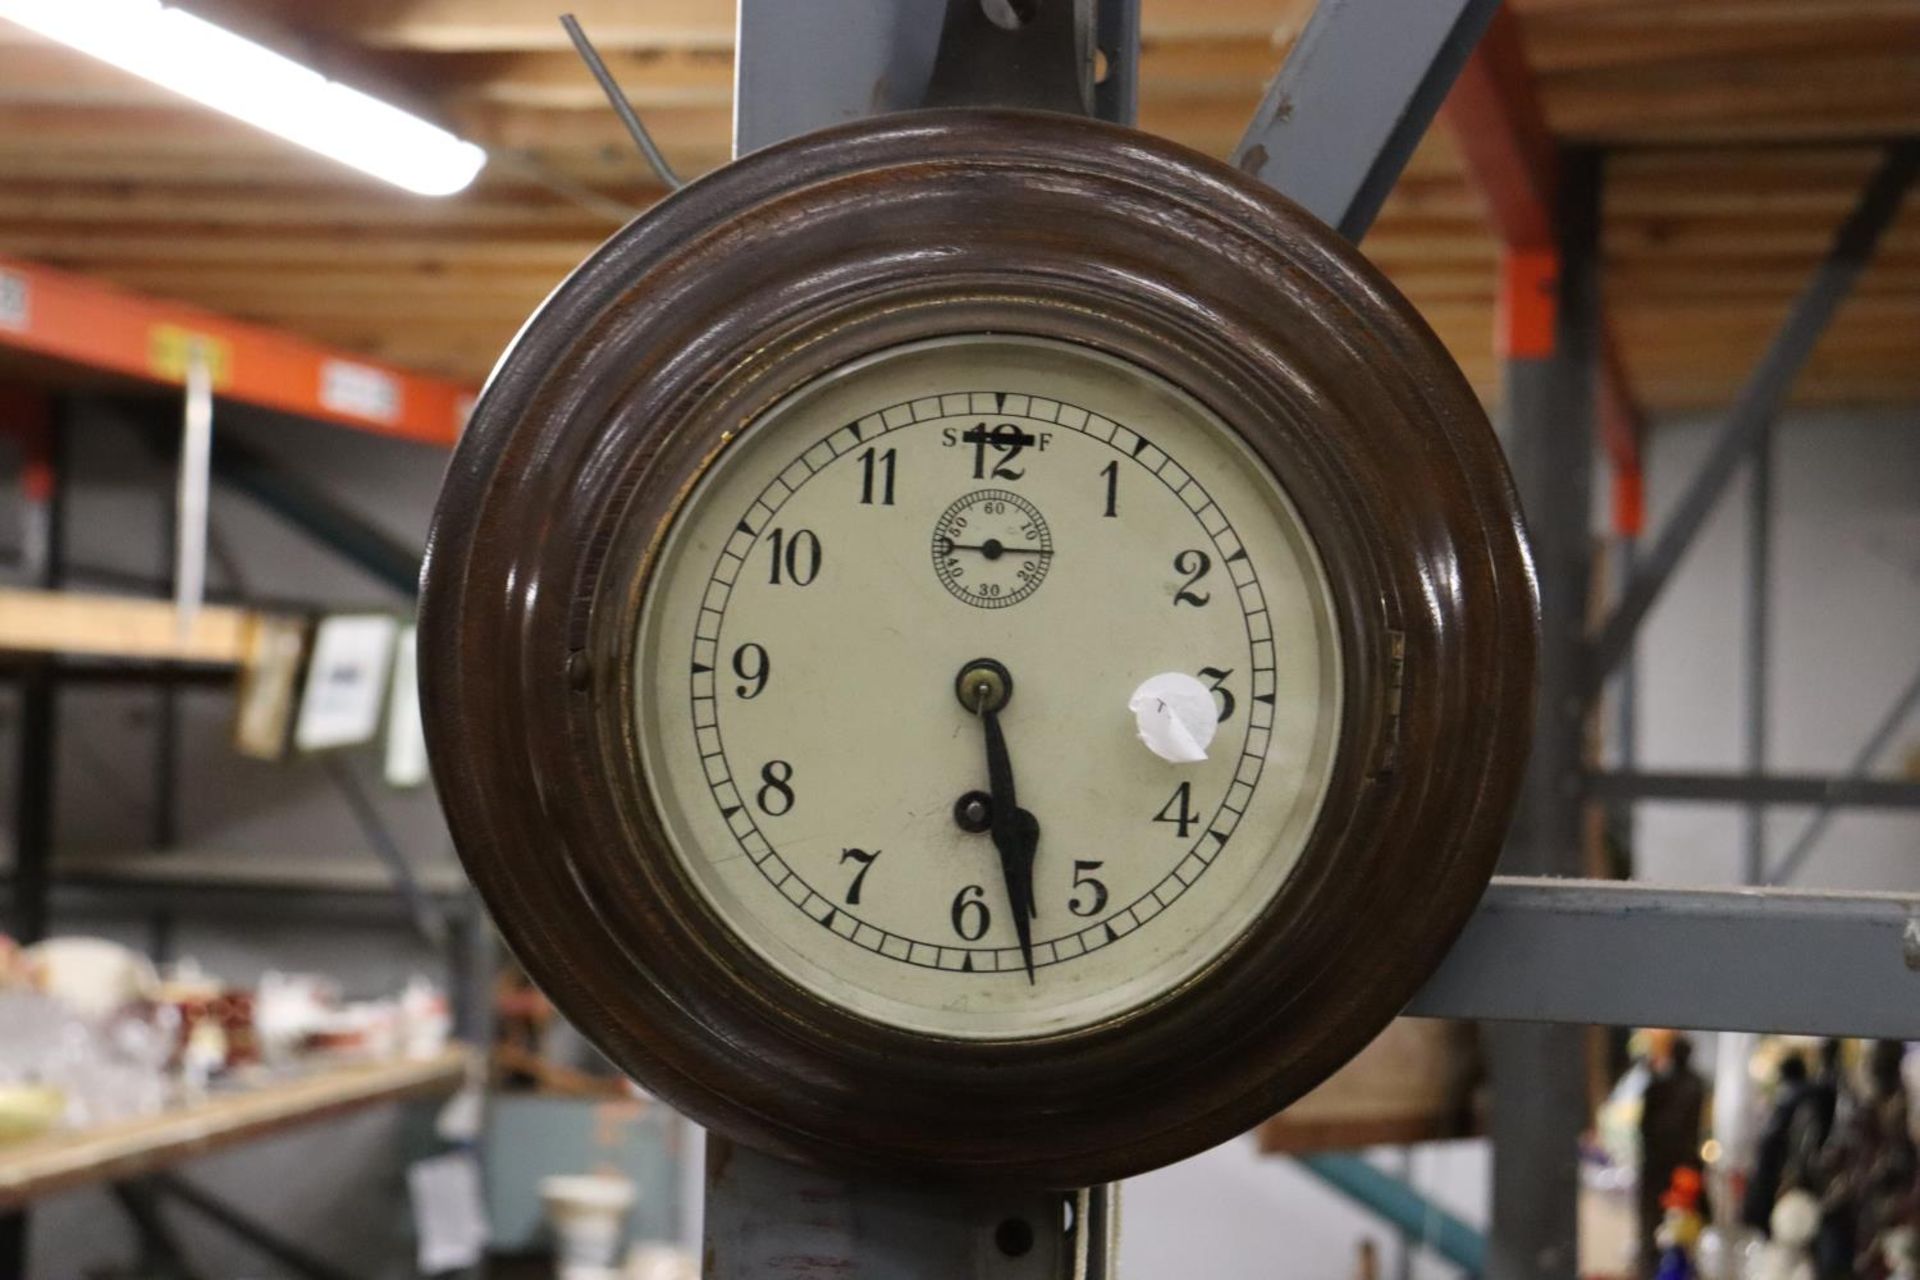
x=406, y=735
x=449, y=1212
x=346, y=681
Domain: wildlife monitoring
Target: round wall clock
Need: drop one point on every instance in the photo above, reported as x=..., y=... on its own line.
x=978, y=645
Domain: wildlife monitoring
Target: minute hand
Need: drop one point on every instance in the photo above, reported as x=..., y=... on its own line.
x=1016, y=834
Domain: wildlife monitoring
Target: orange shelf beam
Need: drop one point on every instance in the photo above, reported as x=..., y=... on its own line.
x=1497, y=122
x=97, y=326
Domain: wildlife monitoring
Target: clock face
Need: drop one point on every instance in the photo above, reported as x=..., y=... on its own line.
x=884, y=669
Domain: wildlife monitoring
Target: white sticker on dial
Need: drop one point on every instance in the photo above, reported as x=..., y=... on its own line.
x=1176, y=716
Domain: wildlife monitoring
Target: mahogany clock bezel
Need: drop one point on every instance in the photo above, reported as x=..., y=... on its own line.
x=659, y=349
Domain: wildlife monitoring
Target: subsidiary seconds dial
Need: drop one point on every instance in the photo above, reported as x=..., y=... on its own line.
x=992, y=548
x=817, y=775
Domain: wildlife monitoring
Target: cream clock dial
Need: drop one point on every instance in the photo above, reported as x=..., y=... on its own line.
x=884, y=670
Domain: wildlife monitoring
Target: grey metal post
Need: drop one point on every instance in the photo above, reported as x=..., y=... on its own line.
x=762, y=1213
x=1356, y=94
x=35, y=777
x=801, y=67
x=1759, y=660
x=163, y=821
x=473, y=956
x=37, y=741
x=1626, y=709
x=1539, y=1104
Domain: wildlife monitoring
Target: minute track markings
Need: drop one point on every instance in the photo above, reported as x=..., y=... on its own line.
x=1130, y=916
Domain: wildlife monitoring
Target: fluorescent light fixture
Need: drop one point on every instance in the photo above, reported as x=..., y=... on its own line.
x=229, y=73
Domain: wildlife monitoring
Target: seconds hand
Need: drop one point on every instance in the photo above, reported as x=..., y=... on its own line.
x=993, y=549
x=1016, y=832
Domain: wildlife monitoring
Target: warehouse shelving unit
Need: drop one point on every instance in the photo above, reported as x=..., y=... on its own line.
x=64, y=339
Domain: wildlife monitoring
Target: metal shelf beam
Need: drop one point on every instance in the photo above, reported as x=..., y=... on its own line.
x=1757, y=788
x=1354, y=98
x=1625, y=954
x=76, y=321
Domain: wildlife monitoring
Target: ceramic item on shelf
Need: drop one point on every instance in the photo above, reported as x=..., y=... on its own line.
x=656, y=1261
x=1795, y=1219
x=92, y=976
x=588, y=1213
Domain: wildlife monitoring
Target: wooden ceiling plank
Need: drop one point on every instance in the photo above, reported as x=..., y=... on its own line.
x=467, y=25
x=196, y=206
x=1826, y=97
x=1556, y=43
x=422, y=252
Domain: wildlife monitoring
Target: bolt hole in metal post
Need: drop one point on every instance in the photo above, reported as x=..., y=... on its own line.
x=1014, y=1237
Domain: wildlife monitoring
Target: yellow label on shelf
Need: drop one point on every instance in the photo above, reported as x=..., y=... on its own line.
x=171, y=350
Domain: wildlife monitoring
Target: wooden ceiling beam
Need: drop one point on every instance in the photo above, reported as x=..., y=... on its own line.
x=652, y=79
x=376, y=248
x=197, y=208
x=469, y=25
x=1170, y=68
x=479, y=25
x=1699, y=11
x=1614, y=38
x=1827, y=97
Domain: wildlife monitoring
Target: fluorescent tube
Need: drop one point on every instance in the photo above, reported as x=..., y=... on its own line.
x=229, y=73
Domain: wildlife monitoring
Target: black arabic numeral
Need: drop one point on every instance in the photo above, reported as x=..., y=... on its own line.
x=1112, y=472
x=1197, y=564
x=865, y=860
x=800, y=555
x=1179, y=810
x=970, y=914
x=750, y=663
x=1010, y=440
x=1217, y=678
x=872, y=460
x=1081, y=880
x=776, y=788
x=1007, y=439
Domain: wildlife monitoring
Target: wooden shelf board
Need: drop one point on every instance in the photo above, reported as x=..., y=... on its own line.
x=63, y=1161
x=325, y=873
x=72, y=622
